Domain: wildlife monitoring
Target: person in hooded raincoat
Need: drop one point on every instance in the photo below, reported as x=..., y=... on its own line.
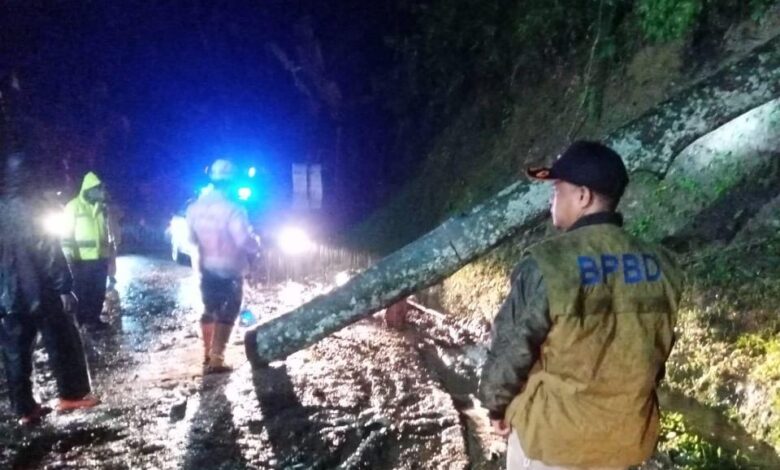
x=88, y=249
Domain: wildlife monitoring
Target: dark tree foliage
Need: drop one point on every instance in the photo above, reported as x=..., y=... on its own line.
x=460, y=49
x=148, y=93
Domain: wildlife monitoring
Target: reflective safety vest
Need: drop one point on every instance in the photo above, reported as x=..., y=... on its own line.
x=87, y=236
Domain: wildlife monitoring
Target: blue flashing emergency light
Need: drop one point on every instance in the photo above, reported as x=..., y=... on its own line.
x=252, y=172
x=244, y=193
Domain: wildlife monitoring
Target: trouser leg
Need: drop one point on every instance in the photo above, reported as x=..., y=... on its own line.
x=100, y=276
x=20, y=333
x=62, y=341
x=231, y=307
x=516, y=459
x=221, y=299
x=90, y=288
x=212, y=297
x=82, y=289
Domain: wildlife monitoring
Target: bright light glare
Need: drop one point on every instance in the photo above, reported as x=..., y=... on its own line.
x=294, y=241
x=206, y=189
x=56, y=223
x=180, y=232
x=342, y=278
x=188, y=293
x=252, y=172
x=292, y=294
x=244, y=193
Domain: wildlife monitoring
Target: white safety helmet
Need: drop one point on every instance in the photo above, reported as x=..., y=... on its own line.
x=222, y=170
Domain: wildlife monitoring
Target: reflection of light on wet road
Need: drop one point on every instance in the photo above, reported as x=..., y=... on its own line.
x=292, y=294
x=128, y=270
x=131, y=268
x=177, y=362
x=138, y=277
x=130, y=324
x=188, y=294
x=159, y=317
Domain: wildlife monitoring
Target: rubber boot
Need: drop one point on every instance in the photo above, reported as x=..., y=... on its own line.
x=219, y=344
x=87, y=401
x=35, y=416
x=207, y=332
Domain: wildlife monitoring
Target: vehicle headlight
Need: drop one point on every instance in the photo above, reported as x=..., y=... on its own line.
x=294, y=241
x=55, y=223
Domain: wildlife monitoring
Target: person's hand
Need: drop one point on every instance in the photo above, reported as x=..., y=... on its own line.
x=500, y=427
x=68, y=303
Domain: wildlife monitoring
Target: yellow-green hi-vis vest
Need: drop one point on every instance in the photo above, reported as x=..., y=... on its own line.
x=87, y=237
x=590, y=398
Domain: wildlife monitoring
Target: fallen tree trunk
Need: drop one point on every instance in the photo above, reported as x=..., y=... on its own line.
x=648, y=143
x=428, y=260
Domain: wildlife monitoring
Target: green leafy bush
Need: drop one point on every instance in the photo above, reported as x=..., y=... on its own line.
x=664, y=20
x=689, y=451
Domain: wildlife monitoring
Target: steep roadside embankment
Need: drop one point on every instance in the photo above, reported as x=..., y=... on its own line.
x=717, y=206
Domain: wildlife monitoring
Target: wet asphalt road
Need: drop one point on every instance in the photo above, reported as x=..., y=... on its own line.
x=367, y=397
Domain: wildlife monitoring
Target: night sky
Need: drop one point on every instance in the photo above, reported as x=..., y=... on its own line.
x=149, y=92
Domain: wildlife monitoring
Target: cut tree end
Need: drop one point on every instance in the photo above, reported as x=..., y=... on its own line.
x=250, y=347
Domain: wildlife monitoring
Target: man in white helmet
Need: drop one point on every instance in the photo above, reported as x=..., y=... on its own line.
x=219, y=227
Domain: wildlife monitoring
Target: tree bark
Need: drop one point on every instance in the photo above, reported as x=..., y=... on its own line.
x=651, y=142
x=428, y=260
x=648, y=143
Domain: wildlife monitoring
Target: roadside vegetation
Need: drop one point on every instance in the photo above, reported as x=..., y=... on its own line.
x=506, y=86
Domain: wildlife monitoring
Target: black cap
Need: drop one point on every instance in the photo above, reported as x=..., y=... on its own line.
x=589, y=164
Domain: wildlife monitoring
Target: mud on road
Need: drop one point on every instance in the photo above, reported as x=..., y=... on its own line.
x=366, y=397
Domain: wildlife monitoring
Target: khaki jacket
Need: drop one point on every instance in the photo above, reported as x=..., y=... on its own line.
x=582, y=377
